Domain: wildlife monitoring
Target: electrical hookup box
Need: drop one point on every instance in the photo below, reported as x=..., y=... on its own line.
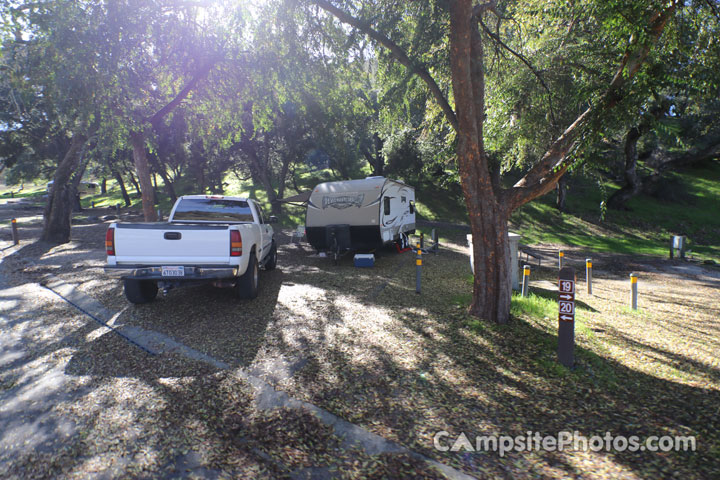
x=364, y=260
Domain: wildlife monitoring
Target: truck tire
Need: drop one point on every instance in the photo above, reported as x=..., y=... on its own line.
x=140, y=291
x=247, y=285
x=271, y=261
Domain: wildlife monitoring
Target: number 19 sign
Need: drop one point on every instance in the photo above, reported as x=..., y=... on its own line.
x=566, y=317
x=566, y=299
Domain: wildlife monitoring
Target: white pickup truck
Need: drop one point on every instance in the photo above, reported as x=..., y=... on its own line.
x=207, y=239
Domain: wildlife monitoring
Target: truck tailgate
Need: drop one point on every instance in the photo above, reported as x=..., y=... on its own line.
x=172, y=244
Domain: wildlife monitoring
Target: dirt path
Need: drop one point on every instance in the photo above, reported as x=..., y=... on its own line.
x=46, y=383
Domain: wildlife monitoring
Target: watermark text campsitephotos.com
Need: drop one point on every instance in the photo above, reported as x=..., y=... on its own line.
x=561, y=441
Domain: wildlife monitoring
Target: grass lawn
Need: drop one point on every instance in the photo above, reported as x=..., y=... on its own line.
x=644, y=229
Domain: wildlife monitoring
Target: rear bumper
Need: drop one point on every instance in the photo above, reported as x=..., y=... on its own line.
x=153, y=272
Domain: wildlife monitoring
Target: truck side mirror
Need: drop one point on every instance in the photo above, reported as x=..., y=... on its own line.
x=272, y=219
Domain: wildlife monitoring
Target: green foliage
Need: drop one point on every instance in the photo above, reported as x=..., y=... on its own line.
x=310, y=94
x=645, y=229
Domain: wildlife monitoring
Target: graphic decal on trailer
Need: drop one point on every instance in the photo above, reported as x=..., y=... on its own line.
x=342, y=202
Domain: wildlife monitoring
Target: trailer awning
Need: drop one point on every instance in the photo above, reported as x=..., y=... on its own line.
x=297, y=199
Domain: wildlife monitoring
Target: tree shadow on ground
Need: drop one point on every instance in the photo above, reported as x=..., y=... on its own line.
x=403, y=365
x=476, y=378
x=210, y=320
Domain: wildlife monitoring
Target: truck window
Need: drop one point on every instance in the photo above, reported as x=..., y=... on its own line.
x=386, y=201
x=261, y=214
x=212, y=210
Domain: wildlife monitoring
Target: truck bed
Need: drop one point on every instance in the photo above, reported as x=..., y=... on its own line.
x=172, y=244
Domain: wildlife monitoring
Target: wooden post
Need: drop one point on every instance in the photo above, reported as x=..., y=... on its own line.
x=15, y=235
x=566, y=317
x=588, y=275
x=418, y=267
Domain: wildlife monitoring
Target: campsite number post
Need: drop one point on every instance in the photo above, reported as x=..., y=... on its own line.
x=566, y=317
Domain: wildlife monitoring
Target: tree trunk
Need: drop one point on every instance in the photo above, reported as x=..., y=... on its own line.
x=77, y=205
x=632, y=185
x=264, y=177
x=162, y=171
x=492, y=285
x=155, y=189
x=379, y=165
x=123, y=190
x=258, y=168
x=61, y=200
x=561, y=193
x=375, y=158
x=103, y=186
x=143, y=171
x=135, y=184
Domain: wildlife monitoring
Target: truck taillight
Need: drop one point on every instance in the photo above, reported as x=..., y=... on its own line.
x=235, y=243
x=110, y=241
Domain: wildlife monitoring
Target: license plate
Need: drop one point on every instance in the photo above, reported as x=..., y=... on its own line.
x=173, y=271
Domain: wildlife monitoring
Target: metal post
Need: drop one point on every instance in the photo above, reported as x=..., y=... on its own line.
x=117, y=209
x=526, y=280
x=418, y=267
x=588, y=274
x=436, y=245
x=159, y=212
x=633, y=291
x=561, y=254
x=422, y=240
x=15, y=235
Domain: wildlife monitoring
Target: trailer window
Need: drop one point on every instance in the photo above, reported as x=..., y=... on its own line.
x=386, y=201
x=212, y=210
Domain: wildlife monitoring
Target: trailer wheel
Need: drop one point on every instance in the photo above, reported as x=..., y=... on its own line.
x=246, y=286
x=140, y=291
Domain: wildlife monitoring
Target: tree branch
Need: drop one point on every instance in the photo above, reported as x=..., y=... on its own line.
x=158, y=116
x=713, y=8
x=543, y=176
x=478, y=10
x=398, y=53
x=527, y=63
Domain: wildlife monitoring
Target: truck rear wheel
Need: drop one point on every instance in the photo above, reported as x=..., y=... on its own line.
x=140, y=291
x=247, y=284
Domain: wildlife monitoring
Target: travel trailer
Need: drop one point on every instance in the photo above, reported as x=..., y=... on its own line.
x=359, y=214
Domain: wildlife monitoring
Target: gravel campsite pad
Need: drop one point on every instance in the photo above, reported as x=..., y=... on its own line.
x=361, y=344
